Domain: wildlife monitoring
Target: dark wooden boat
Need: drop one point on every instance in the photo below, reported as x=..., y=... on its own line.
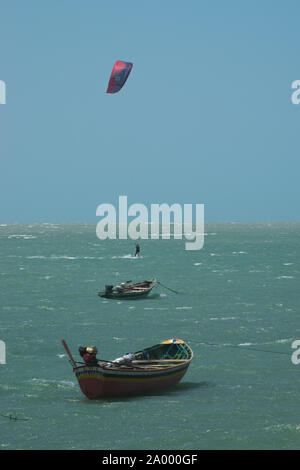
x=128, y=290
x=149, y=370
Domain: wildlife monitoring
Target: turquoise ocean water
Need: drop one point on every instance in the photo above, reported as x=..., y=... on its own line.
x=238, y=306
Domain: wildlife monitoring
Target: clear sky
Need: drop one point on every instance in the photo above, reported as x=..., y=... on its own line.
x=205, y=116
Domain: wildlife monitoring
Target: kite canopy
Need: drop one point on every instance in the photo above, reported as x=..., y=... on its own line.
x=119, y=75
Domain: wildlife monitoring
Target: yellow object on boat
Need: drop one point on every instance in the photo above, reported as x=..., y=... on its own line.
x=172, y=340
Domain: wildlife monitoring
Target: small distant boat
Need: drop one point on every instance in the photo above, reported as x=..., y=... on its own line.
x=128, y=290
x=149, y=370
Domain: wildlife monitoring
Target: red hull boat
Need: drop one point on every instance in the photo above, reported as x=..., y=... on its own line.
x=147, y=371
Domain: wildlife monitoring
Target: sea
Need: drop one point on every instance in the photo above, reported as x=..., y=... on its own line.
x=236, y=302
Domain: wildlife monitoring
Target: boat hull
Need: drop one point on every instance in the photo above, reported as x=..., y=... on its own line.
x=125, y=296
x=128, y=293
x=98, y=382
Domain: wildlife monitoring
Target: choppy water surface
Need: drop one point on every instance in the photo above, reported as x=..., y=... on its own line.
x=237, y=296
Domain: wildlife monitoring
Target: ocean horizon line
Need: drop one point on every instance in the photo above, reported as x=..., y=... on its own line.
x=228, y=222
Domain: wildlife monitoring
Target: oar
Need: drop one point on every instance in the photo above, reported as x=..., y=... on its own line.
x=69, y=353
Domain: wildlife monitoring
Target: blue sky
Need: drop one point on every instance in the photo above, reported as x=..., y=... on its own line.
x=205, y=116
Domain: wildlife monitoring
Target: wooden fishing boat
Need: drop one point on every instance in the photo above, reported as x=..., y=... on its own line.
x=128, y=290
x=149, y=370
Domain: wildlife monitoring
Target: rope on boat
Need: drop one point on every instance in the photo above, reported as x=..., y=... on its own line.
x=14, y=418
x=172, y=290
x=240, y=347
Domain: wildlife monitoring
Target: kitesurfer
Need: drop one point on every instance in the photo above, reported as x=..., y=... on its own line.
x=137, y=250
